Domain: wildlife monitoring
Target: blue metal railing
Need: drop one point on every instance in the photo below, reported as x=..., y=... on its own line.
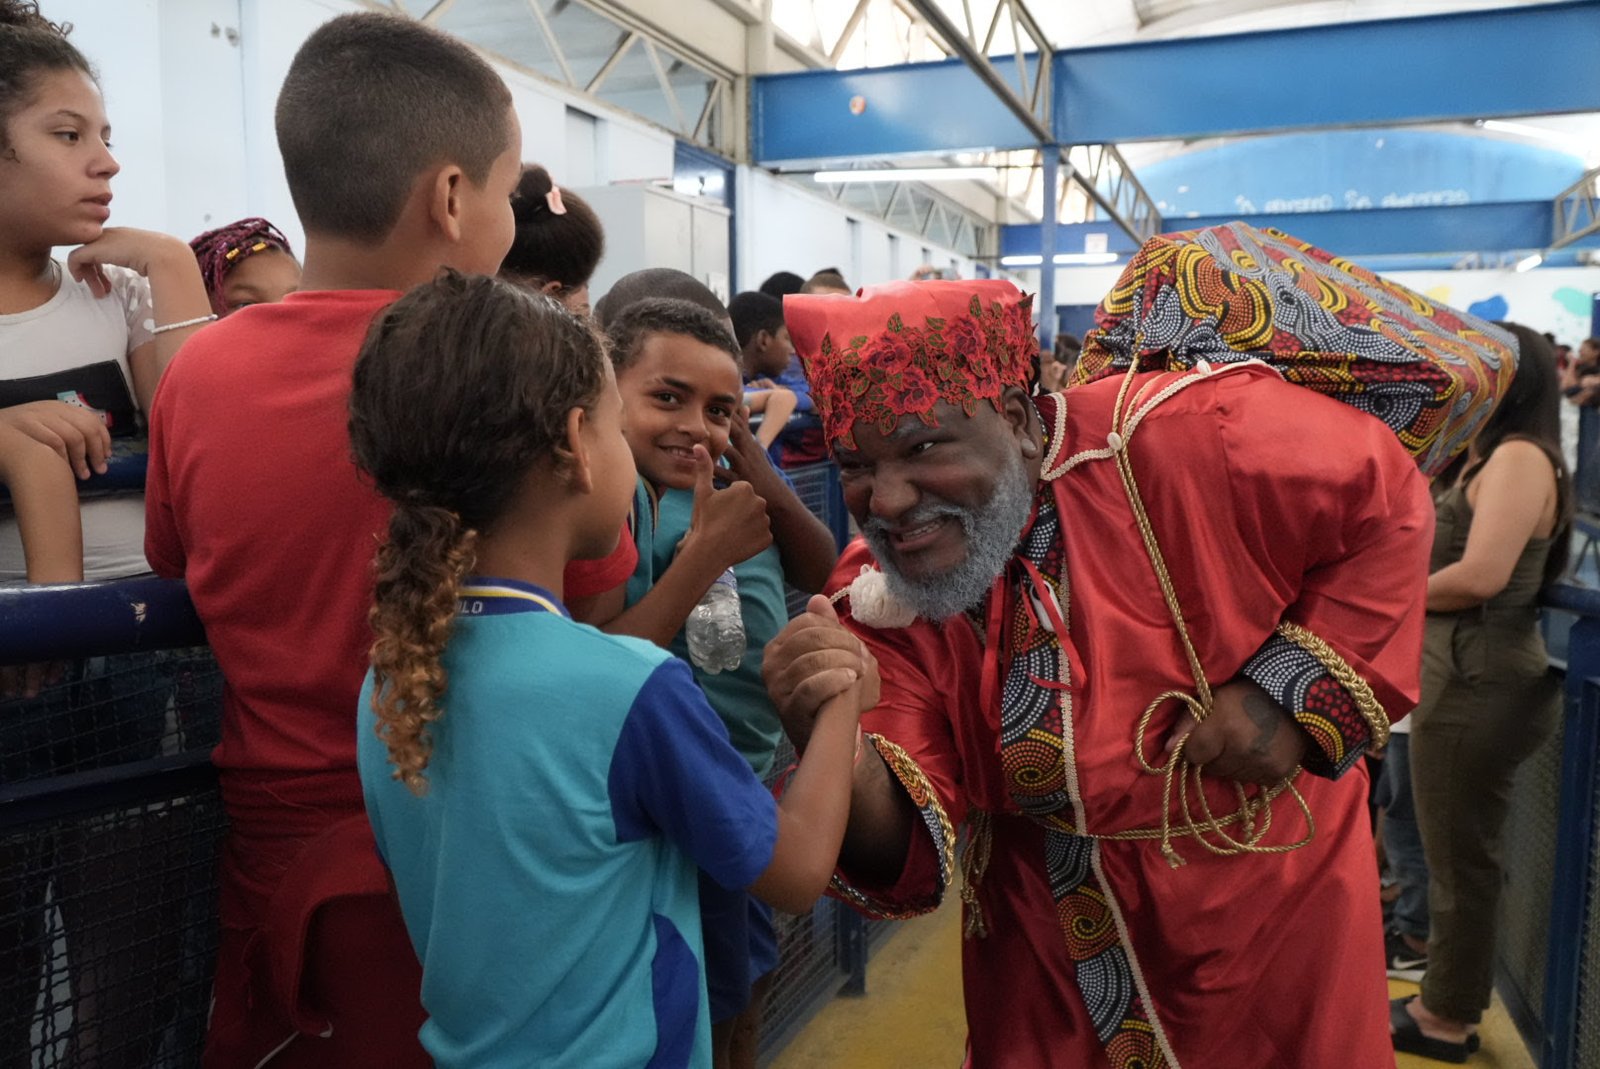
x=1547, y=971
x=110, y=823
x=1551, y=984
x=157, y=798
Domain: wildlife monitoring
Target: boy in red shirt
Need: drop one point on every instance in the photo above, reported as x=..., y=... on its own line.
x=402, y=151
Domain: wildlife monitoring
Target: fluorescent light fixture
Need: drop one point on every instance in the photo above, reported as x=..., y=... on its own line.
x=1525, y=130
x=1063, y=259
x=1528, y=263
x=910, y=174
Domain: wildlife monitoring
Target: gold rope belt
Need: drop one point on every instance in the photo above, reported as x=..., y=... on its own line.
x=1180, y=777
x=1211, y=832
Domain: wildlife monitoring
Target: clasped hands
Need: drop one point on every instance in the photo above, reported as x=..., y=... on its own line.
x=1246, y=737
x=812, y=660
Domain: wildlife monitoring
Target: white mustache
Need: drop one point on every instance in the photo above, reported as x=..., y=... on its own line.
x=923, y=514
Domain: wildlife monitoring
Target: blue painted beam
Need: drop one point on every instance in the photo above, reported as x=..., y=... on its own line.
x=1470, y=65
x=915, y=108
x=1460, y=228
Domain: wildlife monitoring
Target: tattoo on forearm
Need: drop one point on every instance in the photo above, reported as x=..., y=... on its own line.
x=1267, y=717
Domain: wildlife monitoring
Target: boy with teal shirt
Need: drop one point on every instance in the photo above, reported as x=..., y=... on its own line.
x=739, y=696
x=679, y=372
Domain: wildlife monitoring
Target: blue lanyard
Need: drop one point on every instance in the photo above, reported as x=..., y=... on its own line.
x=486, y=596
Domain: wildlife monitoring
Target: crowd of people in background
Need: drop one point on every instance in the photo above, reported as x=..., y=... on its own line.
x=450, y=881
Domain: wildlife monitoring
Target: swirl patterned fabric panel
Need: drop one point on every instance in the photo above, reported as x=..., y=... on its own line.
x=1233, y=292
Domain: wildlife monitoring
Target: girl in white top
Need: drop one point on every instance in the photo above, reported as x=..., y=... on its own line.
x=82, y=343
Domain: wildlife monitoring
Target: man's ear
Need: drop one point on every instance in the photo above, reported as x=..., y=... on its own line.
x=551, y=289
x=1017, y=410
x=444, y=200
x=574, y=458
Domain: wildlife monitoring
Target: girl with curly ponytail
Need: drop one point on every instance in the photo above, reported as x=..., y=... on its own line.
x=542, y=793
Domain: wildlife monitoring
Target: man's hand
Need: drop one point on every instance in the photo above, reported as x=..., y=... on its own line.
x=1248, y=737
x=812, y=660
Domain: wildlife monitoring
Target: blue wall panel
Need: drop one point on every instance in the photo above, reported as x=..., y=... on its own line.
x=1331, y=170
x=1381, y=232
x=1482, y=64
x=915, y=108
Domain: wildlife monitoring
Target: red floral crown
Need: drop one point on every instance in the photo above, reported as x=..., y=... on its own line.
x=900, y=349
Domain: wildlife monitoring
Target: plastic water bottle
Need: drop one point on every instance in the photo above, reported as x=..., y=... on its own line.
x=716, y=627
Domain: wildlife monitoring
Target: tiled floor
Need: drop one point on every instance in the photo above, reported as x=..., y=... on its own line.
x=910, y=1017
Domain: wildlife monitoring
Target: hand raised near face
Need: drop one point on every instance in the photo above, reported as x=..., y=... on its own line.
x=121, y=246
x=730, y=523
x=747, y=460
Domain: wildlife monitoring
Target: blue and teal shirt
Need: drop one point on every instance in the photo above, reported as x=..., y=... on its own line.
x=547, y=875
x=739, y=697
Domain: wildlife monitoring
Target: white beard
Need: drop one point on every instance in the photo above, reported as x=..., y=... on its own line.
x=991, y=534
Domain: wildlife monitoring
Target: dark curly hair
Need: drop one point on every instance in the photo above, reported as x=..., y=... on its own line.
x=752, y=313
x=30, y=45
x=782, y=283
x=656, y=282
x=666, y=315
x=462, y=386
x=564, y=248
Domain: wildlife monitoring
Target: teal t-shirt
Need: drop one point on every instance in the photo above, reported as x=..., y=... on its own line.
x=739, y=697
x=547, y=876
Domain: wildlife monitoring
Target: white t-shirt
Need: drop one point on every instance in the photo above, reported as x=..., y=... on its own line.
x=75, y=348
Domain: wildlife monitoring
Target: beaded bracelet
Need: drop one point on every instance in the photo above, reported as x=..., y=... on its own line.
x=195, y=322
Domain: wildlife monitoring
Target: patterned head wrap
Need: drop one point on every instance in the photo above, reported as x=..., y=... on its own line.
x=901, y=348
x=1234, y=292
x=219, y=251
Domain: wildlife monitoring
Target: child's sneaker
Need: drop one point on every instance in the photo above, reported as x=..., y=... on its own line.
x=1402, y=962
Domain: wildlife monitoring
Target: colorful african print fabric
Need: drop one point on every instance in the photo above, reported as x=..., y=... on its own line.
x=1234, y=292
x=1035, y=707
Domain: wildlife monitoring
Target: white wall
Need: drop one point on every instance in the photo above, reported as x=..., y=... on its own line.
x=191, y=87
x=784, y=227
x=1554, y=299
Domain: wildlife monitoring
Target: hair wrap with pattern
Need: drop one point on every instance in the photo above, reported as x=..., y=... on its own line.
x=221, y=250
x=1235, y=292
x=901, y=348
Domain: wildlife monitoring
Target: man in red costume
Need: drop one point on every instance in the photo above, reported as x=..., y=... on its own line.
x=1214, y=545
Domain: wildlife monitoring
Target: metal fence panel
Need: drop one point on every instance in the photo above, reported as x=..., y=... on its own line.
x=110, y=824
x=1586, y=1051
x=1529, y=858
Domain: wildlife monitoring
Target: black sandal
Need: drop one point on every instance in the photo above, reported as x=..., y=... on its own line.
x=1409, y=1038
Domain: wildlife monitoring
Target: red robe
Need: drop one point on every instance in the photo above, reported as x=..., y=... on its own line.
x=1270, y=504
